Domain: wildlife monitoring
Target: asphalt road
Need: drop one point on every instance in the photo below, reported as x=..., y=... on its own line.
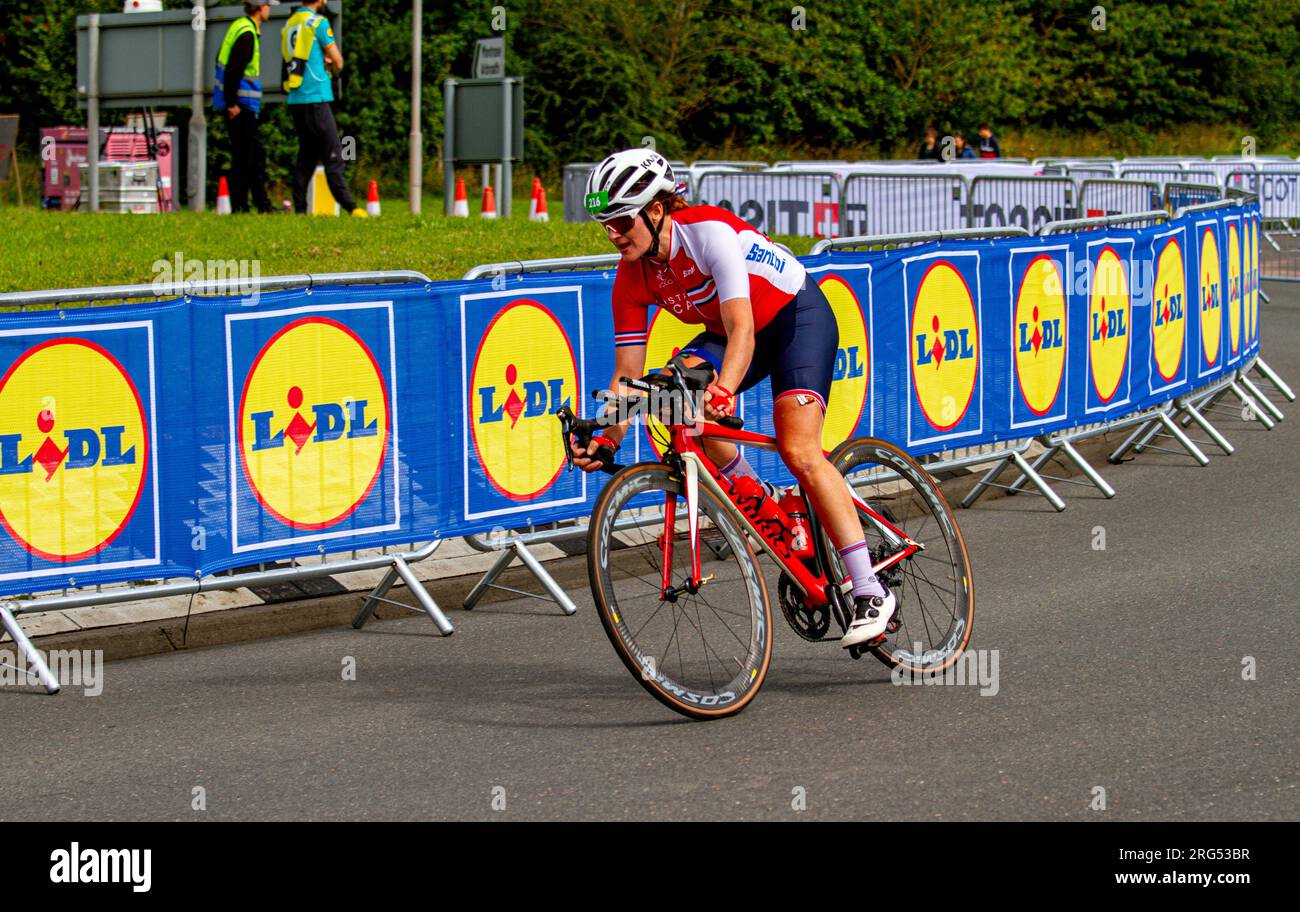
x=1119, y=669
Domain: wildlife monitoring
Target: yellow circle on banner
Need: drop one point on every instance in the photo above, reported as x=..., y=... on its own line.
x=75, y=450
x=1211, y=297
x=313, y=423
x=1234, y=286
x=1169, y=311
x=667, y=336
x=1252, y=276
x=1108, y=322
x=945, y=346
x=851, y=378
x=1039, y=336
x=524, y=370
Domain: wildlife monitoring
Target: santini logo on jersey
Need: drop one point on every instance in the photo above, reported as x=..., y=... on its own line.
x=759, y=255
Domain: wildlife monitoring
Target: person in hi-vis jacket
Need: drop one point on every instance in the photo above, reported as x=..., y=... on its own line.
x=237, y=96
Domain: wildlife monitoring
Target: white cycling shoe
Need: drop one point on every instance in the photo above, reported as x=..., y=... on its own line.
x=870, y=618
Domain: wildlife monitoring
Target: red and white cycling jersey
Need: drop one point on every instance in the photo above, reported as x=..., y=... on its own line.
x=715, y=257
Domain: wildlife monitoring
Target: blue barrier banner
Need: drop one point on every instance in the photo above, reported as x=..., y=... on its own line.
x=150, y=441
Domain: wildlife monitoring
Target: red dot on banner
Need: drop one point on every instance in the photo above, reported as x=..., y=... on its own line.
x=935, y=322
x=1035, y=314
x=512, y=374
x=295, y=397
x=676, y=351
x=45, y=421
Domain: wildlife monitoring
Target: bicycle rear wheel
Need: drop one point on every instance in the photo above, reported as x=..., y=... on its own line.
x=705, y=653
x=933, y=587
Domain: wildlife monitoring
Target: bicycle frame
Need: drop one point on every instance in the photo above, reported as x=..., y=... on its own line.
x=699, y=468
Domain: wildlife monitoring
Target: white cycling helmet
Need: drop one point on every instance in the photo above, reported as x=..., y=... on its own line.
x=626, y=182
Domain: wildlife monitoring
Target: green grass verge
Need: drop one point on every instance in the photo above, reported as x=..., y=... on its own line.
x=41, y=249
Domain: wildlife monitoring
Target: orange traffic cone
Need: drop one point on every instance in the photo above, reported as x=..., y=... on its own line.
x=372, y=199
x=541, y=215
x=489, y=202
x=460, y=206
x=223, y=197
x=532, y=200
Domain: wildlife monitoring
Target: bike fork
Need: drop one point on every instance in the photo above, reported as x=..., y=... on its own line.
x=670, y=530
x=693, y=516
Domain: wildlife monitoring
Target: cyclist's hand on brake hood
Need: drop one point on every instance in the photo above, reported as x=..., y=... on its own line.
x=584, y=457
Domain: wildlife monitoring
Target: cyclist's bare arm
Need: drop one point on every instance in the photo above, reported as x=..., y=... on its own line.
x=738, y=320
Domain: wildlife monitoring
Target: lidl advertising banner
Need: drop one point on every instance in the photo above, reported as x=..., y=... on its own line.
x=146, y=442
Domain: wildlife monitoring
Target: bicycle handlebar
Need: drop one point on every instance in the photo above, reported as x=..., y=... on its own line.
x=684, y=380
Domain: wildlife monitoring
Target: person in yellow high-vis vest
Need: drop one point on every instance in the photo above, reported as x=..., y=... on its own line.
x=237, y=96
x=311, y=57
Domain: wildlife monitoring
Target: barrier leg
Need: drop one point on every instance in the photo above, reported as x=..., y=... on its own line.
x=1042, y=460
x=423, y=597
x=1131, y=441
x=1188, y=444
x=1093, y=475
x=1152, y=429
x=518, y=549
x=986, y=482
x=34, y=658
x=1044, y=488
x=400, y=569
x=1190, y=411
x=1262, y=401
x=1255, y=412
x=1271, y=376
x=376, y=596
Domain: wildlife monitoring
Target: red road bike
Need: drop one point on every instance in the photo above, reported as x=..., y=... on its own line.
x=677, y=582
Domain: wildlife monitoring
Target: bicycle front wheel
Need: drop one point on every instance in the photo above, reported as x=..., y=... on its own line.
x=702, y=650
x=933, y=586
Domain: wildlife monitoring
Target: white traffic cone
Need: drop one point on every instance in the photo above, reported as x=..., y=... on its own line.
x=372, y=200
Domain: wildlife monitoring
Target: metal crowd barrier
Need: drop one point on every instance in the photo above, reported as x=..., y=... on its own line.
x=1002, y=452
x=396, y=563
x=788, y=202
x=1025, y=201
x=1108, y=196
x=1168, y=420
x=873, y=204
x=1179, y=194
x=1163, y=175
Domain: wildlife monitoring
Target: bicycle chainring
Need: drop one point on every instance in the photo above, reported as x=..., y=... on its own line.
x=811, y=624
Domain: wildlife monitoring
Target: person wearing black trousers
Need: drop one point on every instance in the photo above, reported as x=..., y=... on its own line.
x=311, y=57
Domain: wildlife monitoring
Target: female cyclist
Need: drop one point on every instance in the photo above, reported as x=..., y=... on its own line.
x=763, y=316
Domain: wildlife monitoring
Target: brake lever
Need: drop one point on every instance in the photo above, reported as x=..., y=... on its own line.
x=565, y=414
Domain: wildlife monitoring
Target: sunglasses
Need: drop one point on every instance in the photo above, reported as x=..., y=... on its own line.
x=621, y=224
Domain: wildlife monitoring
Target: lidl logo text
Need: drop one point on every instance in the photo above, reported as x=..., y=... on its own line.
x=332, y=421
x=953, y=344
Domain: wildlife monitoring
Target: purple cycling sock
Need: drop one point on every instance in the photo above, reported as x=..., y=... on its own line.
x=857, y=561
x=739, y=466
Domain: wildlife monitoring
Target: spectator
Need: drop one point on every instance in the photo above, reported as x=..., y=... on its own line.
x=959, y=146
x=311, y=56
x=989, y=145
x=237, y=93
x=930, y=147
